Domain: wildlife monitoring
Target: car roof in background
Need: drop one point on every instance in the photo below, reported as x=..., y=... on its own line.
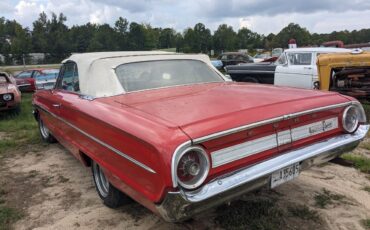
x=319, y=49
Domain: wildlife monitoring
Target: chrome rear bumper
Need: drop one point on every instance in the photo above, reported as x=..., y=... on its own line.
x=182, y=205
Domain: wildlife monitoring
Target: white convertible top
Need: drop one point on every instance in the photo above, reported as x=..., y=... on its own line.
x=96, y=71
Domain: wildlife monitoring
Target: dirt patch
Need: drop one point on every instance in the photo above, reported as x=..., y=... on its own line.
x=54, y=191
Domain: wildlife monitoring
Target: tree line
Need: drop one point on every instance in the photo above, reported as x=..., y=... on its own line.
x=51, y=36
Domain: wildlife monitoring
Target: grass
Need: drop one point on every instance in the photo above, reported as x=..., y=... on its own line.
x=303, y=212
x=362, y=163
x=366, y=188
x=366, y=223
x=325, y=197
x=253, y=214
x=7, y=215
x=18, y=130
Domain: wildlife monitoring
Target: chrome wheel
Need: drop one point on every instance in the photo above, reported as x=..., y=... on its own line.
x=44, y=130
x=101, y=181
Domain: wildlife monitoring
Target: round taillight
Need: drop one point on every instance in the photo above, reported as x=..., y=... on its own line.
x=351, y=117
x=192, y=168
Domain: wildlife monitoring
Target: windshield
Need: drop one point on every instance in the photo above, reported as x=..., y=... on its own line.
x=25, y=74
x=157, y=74
x=44, y=76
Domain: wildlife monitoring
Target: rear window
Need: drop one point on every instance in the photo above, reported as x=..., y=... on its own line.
x=158, y=74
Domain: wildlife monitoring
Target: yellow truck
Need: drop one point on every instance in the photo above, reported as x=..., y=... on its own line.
x=346, y=73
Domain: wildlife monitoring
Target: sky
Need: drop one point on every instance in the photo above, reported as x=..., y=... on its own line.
x=262, y=16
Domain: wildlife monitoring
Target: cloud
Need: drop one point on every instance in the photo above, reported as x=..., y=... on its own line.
x=262, y=16
x=240, y=8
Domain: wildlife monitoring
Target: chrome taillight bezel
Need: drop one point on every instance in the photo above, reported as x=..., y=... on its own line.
x=205, y=167
x=361, y=117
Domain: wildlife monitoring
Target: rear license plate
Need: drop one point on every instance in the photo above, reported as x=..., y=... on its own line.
x=284, y=175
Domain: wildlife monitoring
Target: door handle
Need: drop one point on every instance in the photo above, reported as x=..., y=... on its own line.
x=56, y=105
x=307, y=67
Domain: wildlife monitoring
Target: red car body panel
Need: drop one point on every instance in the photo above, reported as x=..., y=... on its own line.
x=209, y=108
x=149, y=125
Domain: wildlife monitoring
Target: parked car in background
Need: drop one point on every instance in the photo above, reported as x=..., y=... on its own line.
x=10, y=96
x=217, y=64
x=46, y=79
x=295, y=68
x=27, y=80
x=261, y=57
x=234, y=58
x=346, y=73
x=170, y=132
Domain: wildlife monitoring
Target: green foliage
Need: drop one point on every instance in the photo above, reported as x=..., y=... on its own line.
x=7, y=215
x=51, y=36
x=19, y=129
x=366, y=223
x=325, y=198
x=366, y=188
x=360, y=162
x=303, y=212
x=253, y=214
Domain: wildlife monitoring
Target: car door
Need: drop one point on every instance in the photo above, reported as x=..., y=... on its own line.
x=67, y=89
x=297, y=71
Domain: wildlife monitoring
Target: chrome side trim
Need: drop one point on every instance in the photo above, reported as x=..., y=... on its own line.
x=23, y=85
x=269, y=121
x=99, y=141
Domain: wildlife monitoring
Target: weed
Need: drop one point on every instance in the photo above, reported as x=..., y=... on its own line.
x=366, y=223
x=8, y=216
x=360, y=162
x=366, y=188
x=253, y=214
x=303, y=212
x=326, y=197
x=62, y=179
x=20, y=129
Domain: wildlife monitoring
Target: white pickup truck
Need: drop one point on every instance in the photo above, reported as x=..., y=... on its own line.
x=295, y=68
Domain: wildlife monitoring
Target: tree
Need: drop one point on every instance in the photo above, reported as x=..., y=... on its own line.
x=225, y=39
x=301, y=35
x=198, y=39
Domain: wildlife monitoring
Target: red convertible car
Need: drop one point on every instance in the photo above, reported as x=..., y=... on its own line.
x=169, y=131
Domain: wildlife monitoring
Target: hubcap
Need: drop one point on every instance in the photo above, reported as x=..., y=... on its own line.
x=101, y=181
x=44, y=130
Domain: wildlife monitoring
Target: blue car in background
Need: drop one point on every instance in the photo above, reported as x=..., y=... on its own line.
x=217, y=64
x=46, y=79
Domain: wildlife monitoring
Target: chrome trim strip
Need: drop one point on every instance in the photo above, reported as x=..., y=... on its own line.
x=99, y=141
x=249, y=148
x=23, y=85
x=334, y=145
x=268, y=121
